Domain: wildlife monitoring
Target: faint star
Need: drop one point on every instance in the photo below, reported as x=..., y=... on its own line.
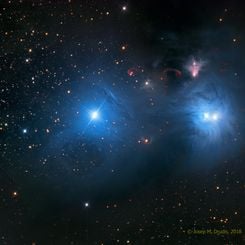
x=15, y=194
x=124, y=8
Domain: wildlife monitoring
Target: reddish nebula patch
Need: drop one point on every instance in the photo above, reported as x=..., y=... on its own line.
x=195, y=67
x=170, y=71
x=134, y=71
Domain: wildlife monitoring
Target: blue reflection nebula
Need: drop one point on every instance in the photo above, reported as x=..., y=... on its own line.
x=210, y=108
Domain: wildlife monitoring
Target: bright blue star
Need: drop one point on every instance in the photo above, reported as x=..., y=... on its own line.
x=24, y=131
x=94, y=115
x=208, y=117
x=211, y=116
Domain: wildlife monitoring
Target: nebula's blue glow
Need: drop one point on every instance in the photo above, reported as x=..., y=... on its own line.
x=211, y=113
x=207, y=113
x=204, y=118
x=104, y=117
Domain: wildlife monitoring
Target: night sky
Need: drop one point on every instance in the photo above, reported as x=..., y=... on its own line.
x=122, y=122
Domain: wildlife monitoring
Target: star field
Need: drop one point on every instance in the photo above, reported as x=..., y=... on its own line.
x=121, y=122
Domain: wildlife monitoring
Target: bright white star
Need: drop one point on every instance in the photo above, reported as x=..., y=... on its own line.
x=94, y=115
x=211, y=117
x=215, y=116
x=206, y=115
